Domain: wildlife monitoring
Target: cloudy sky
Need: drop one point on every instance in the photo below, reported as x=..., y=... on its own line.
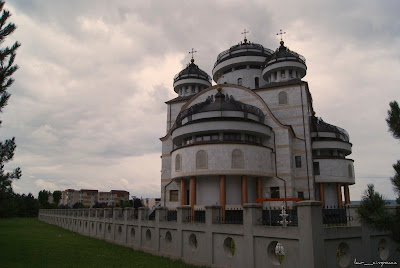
x=87, y=106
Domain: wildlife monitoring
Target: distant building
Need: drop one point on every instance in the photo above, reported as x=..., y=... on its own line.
x=105, y=197
x=88, y=197
x=117, y=195
x=70, y=197
x=150, y=202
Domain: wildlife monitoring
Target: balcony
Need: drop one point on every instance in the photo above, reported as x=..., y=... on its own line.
x=257, y=160
x=335, y=170
x=343, y=146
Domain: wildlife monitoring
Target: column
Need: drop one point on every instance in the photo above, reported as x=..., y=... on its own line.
x=222, y=194
x=322, y=194
x=311, y=234
x=183, y=192
x=192, y=195
x=244, y=189
x=259, y=188
x=346, y=194
x=339, y=195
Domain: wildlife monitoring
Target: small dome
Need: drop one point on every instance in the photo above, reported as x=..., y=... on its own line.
x=192, y=71
x=191, y=80
x=284, y=53
x=289, y=64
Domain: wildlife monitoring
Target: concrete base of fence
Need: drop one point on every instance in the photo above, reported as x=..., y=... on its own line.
x=214, y=242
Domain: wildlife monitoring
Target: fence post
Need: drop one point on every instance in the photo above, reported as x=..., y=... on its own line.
x=311, y=234
x=161, y=213
x=128, y=214
x=251, y=214
x=213, y=214
x=143, y=214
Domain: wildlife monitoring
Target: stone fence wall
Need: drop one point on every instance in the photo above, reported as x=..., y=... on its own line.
x=216, y=244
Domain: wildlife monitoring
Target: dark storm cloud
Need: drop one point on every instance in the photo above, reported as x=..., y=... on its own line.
x=88, y=102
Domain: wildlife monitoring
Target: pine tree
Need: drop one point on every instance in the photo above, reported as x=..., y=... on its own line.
x=372, y=210
x=7, y=69
x=393, y=121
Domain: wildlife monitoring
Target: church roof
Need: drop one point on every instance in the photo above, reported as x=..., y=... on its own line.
x=283, y=52
x=243, y=49
x=221, y=102
x=319, y=125
x=192, y=71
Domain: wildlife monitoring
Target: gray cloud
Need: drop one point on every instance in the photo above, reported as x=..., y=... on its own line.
x=88, y=103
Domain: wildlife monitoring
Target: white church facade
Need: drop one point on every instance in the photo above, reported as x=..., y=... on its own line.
x=252, y=137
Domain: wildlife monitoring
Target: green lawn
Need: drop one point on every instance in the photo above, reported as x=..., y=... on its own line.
x=31, y=243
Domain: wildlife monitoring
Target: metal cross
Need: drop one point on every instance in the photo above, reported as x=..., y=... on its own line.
x=281, y=33
x=245, y=32
x=193, y=51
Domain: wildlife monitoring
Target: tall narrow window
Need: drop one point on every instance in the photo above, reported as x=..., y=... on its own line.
x=316, y=168
x=282, y=97
x=275, y=192
x=237, y=159
x=178, y=161
x=276, y=76
x=298, y=161
x=201, y=160
x=257, y=82
x=283, y=73
x=350, y=170
x=239, y=81
x=290, y=73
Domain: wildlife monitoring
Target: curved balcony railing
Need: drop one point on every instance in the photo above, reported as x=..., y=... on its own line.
x=243, y=46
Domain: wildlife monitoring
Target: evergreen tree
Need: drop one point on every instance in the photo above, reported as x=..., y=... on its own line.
x=372, y=210
x=57, y=197
x=393, y=121
x=7, y=147
x=43, y=197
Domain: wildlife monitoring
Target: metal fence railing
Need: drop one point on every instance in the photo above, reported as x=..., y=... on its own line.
x=232, y=216
x=171, y=215
x=272, y=217
x=334, y=216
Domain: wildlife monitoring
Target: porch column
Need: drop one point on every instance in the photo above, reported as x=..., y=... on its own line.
x=192, y=195
x=339, y=195
x=222, y=194
x=183, y=192
x=244, y=189
x=259, y=188
x=346, y=194
x=322, y=194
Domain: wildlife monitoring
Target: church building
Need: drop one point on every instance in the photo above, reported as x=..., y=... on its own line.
x=251, y=137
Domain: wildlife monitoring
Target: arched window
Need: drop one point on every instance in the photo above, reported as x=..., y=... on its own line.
x=282, y=97
x=257, y=82
x=239, y=81
x=350, y=170
x=178, y=162
x=237, y=159
x=201, y=160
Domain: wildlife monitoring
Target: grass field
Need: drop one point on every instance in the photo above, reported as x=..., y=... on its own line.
x=31, y=243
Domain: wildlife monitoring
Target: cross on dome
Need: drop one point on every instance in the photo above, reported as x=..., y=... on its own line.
x=281, y=33
x=245, y=32
x=192, y=52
